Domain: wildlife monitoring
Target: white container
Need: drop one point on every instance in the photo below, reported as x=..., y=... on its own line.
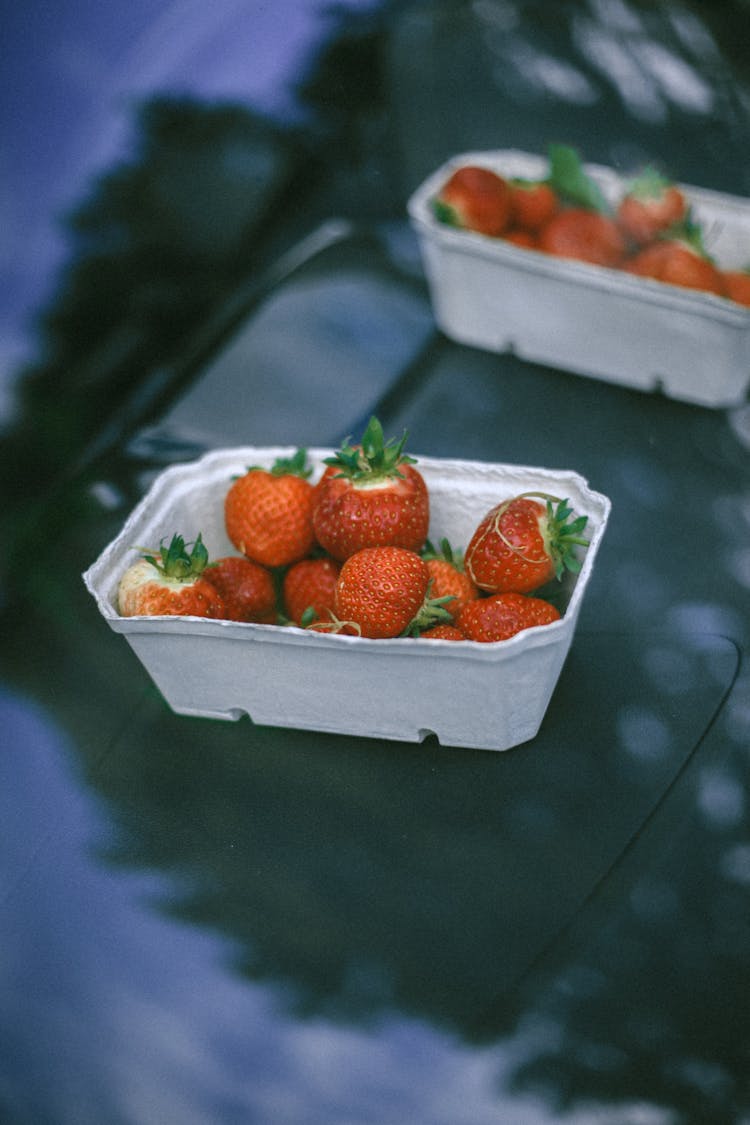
x=588, y=319
x=485, y=696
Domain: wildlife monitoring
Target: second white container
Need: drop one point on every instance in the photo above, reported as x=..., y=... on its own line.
x=597, y=322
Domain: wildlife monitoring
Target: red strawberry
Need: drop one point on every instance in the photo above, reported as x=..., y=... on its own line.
x=523, y=543
x=526, y=239
x=588, y=236
x=370, y=496
x=268, y=513
x=650, y=205
x=475, y=199
x=677, y=261
x=443, y=633
x=584, y=229
x=170, y=583
x=309, y=589
x=449, y=577
x=247, y=589
x=737, y=286
x=385, y=591
x=534, y=203
x=503, y=615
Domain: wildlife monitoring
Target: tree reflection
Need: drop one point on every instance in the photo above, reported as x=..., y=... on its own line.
x=434, y=883
x=366, y=878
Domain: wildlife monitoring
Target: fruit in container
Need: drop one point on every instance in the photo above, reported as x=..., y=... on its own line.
x=370, y=495
x=268, y=512
x=477, y=199
x=170, y=582
x=523, y=543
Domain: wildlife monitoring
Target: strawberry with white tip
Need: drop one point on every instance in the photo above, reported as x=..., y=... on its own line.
x=170, y=582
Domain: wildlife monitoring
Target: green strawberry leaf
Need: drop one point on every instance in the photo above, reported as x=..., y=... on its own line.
x=571, y=182
x=374, y=458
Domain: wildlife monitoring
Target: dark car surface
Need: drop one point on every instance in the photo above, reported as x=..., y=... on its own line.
x=223, y=922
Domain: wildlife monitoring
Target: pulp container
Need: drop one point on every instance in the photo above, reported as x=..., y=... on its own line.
x=470, y=694
x=588, y=319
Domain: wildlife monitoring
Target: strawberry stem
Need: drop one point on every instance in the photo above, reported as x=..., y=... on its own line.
x=175, y=562
x=374, y=458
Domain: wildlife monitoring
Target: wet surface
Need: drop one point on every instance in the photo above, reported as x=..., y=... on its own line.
x=223, y=922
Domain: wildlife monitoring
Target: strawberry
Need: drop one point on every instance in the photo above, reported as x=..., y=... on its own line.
x=449, y=577
x=247, y=589
x=679, y=259
x=169, y=582
x=526, y=239
x=442, y=633
x=523, y=543
x=583, y=228
x=737, y=285
x=268, y=513
x=475, y=199
x=309, y=589
x=587, y=236
x=503, y=615
x=385, y=591
x=651, y=204
x=370, y=495
x=534, y=202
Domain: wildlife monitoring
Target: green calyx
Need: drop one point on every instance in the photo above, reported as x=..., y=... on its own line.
x=690, y=233
x=175, y=561
x=294, y=466
x=444, y=553
x=563, y=535
x=572, y=183
x=444, y=213
x=648, y=184
x=374, y=459
x=431, y=612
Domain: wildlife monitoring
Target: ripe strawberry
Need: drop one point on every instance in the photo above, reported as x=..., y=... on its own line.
x=534, y=202
x=309, y=589
x=170, y=582
x=678, y=260
x=503, y=615
x=443, y=633
x=651, y=205
x=523, y=543
x=268, y=513
x=385, y=590
x=526, y=239
x=737, y=286
x=247, y=589
x=449, y=577
x=475, y=199
x=587, y=236
x=370, y=495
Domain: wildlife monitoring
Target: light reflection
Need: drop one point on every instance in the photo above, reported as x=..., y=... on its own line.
x=617, y=15
x=680, y=82
x=738, y=565
x=669, y=669
x=113, y=1011
x=707, y=619
x=734, y=864
x=721, y=799
x=543, y=73
x=643, y=735
x=616, y=61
